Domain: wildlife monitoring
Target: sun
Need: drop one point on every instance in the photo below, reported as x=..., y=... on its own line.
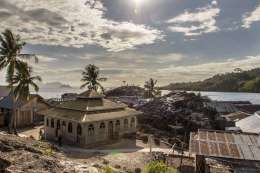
x=138, y=2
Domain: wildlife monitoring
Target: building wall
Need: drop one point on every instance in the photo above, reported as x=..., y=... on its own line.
x=91, y=133
x=2, y=120
x=26, y=115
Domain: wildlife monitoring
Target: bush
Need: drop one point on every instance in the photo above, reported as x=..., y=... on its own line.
x=108, y=170
x=158, y=167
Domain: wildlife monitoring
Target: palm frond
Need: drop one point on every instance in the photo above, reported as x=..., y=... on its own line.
x=28, y=57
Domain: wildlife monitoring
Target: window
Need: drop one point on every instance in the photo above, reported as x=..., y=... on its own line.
x=79, y=129
x=102, y=125
x=91, y=130
x=63, y=123
x=47, y=122
x=125, y=123
x=58, y=124
x=132, y=122
x=70, y=128
x=117, y=124
x=52, y=123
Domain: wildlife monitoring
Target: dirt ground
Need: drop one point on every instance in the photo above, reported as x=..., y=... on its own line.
x=124, y=155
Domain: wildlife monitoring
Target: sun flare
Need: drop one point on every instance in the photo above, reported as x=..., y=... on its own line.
x=138, y=2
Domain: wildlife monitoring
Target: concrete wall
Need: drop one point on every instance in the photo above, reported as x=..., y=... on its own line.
x=89, y=137
x=26, y=115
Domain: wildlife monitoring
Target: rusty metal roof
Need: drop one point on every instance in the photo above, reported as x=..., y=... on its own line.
x=225, y=144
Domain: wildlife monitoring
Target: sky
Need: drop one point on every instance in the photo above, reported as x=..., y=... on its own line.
x=134, y=40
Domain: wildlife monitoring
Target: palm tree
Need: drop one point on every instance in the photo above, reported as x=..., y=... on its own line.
x=91, y=78
x=11, y=58
x=24, y=80
x=150, y=88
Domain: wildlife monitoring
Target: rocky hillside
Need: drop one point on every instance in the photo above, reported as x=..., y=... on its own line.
x=125, y=91
x=28, y=155
x=19, y=154
x=179, y=111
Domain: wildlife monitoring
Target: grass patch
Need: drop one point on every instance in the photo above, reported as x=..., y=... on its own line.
x=158, y=167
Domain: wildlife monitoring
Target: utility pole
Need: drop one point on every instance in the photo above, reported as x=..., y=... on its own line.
x=182, y=148
x=150, y=143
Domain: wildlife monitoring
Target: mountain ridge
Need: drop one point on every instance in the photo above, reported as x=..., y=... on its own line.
x=242, y=81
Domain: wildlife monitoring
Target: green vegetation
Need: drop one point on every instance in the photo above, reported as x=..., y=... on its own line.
x=150, y=89
x=158, y=167
x=91, y=78
x=46, y=149
x=12, y=60
x=252, y=85
x=23, y=80
x=108, y=170
x=237, y=81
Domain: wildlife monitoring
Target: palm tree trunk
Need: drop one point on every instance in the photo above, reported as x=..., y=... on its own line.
x=12, y=122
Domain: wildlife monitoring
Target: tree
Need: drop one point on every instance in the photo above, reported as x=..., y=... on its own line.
x=11, y=58
x=24, y=80
x=150, y=88
x=91, y=78
x=238, y=70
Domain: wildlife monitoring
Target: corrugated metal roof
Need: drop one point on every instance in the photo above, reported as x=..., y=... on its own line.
x=250, y=124
x=6, y=102
x=221, y=107
x=225, y=144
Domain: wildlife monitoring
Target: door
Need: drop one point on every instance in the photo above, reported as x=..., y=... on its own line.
x=110, y=130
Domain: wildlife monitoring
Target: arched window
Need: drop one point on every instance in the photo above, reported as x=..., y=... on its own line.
x=52, y=123
x=63, y=123
x=70, y=128
x=102, y=125
x=132, y=122
x=117, y=124
x=125, y=123
x=91, y=130
x=47, y=122
x=58, y=124
x=79, y=129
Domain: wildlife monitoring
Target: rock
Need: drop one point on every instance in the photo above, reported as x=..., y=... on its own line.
x=4, y=164
x=91, y=170
x=138, y=170
x=5, y=148
x=105, y=162
x=117, y=166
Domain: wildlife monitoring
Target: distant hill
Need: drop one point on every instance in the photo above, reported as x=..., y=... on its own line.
x=245, y=81
x=125, y=91
x=54, y=85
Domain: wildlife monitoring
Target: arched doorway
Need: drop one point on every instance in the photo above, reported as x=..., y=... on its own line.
x=110, y=130
x=79, y=133
x=117, y=129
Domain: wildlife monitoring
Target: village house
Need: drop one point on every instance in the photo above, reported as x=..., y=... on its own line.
x=89, y=120
x=226, y=152
x=26, y=109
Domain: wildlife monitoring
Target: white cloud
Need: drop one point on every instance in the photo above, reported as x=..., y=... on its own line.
x=72, y=23
x=250, y=18
x=203, y=20
x=202, y=71
x=45, y=59
x=214, y=2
